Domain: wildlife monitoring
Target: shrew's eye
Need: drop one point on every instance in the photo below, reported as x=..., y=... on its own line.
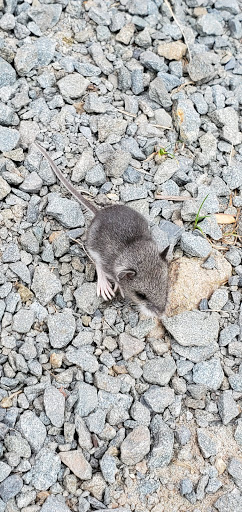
x=141, y=296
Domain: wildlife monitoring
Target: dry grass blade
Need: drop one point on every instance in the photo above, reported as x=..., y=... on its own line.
x=179, y=25
x=173, y=198
x=231, y=154
x=7, y=401
x=126, y=113
x=181, y=87
x=161, y=126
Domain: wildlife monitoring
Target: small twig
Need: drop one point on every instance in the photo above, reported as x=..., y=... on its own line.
x=181, y=87
x=126, y=113
x=179, y=25
x=161, y=126
x=217, y=310
x=231, y=154
x=83, y=247
x=173, y=198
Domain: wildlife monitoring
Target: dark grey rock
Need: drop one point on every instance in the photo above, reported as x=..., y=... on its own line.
x=200, y=69
x=170, y=81
x=163, y=440
x=137, y=81
x=10, y=487
x=152, y=61
x=158, y=93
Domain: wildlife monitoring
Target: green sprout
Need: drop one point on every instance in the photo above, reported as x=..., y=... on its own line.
x=199, y=218
x=164, y=152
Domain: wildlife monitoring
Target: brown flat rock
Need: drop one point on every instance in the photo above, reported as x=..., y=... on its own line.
x=190, y=282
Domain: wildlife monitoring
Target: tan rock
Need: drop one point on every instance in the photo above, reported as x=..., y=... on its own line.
x=190, y=283
x=135, y=446
x=96, y=486
x=77, y=463
x=56, y=360
x=126, y=33
x=172, y=51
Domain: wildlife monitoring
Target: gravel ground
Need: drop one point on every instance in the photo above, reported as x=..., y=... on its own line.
x=101, y=408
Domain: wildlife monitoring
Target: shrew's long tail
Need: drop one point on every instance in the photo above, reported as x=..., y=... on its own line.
x=66, y=183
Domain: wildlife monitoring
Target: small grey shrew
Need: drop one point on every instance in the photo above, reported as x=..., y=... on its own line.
x=125, y=255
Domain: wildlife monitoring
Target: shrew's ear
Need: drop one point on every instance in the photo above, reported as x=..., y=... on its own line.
x=167, y=254
x=127, y=273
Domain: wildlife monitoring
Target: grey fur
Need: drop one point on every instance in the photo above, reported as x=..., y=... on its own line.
x=120, y=243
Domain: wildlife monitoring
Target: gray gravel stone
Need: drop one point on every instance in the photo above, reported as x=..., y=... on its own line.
x=140, y=414
x=86, y=298
x=23, y=321
x=218, y=299
x=45, y=284
x=159, y=371
x=8, y=139
x=87, y=399
x=209, y=25
x=200, y=69
x=235, y=470
x=227, y=407
x=5, y=470
x=96, y=176
x=195, y=245
x=66, y=211
x=130, y=346
x=159, y=93
x=165, y=171
x=159, y=398
x=32, y=184
x=10, y=487
x=82, y=358
x=186, y=120
x=193, y=328
x=55, y=504
x=96, y=421
x=183, y=435
x=5, y=189
x=163, y=440
x=46, y=469
x=107, y=382
x=32, y=429
x=54, y=403
x=135, y=446
x=209, y=373
x=61, y=328
x=206, y=444
x=108, y=468
x=7, y=73
x=21, y=270
x=229, y=502
x=186, y=486
x=117, y=163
